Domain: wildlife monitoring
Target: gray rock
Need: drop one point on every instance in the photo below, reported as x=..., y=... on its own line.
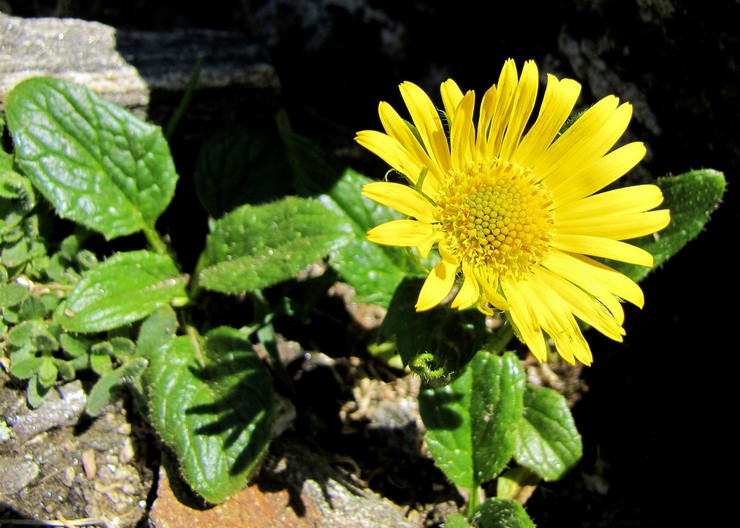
x=145, y=72
x=63, y=407
x=74, y=50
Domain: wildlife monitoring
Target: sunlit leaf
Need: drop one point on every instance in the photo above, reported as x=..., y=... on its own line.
x=256, y=246
x=547, y=440
x=216, y=416
x=470, y=422
x=125, y=288
x=97, y=163
x=501, y=513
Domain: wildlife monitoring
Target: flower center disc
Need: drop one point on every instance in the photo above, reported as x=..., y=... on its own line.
x=496, y=215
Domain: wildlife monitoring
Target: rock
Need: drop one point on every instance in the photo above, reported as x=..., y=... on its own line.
x=63, y=407
x=296, y=488
x=74, y=50
x=20, y=473
x=145, y=72
x=56, y=464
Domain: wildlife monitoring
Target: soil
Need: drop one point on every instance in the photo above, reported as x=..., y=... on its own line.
x=654, y=411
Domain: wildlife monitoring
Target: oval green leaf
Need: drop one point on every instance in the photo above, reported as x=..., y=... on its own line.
x=98, y=164
x=470, y=422
x=258, y=246
x=215, y=417
x=501, y=513
x=547, y=440
x=125, y=288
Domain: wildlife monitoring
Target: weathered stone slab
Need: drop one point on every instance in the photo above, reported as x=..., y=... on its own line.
x=145, y=72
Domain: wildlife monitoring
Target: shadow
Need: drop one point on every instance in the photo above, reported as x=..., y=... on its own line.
x=292, y=462
x=242, y=412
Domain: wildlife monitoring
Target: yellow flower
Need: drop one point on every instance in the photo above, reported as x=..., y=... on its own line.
x=514, y=211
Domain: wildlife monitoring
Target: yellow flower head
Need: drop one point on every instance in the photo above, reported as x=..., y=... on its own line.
x=513, y=210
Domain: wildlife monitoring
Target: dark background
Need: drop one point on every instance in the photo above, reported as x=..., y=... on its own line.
x=658, y=420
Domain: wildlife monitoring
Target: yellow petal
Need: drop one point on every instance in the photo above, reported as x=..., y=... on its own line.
x=592, y=275
x=524, y=98
x=618, y=227
x=594, y=177
x=589, y=279
x=627, y=200
x=489, y=282
x=521, y=315
x=403, y=199
x=403, y=233
x=555, y=317
x=401, y=130
x=437, y=285
x=469, y=291
x=586, y=140
x=391, y=151
x=462, y=134
x=429, y=124
x=451, y=97
x=501, y=113
x=485, y=116
x=557, y=104
x=585, y=306
x=604, y=248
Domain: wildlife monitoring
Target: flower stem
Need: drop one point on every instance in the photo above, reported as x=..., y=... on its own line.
x=473, y=500
x=155, y=240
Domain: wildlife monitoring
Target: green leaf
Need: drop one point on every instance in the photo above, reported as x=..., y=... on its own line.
x=100, y=359
x=17, y=197
x=374, y=271
x=23, y=333
x=501, y=513
x=36, y=393
x=125, y=288
x=110, y=383
x=12, y=294
x=122, y=348
x=66, y=369
x=6, y=159
x=517, y=483
x=470, y=423
x=32, y=308
x=25, y=368
x=436, y=343
x=239, y=166
x=97, y=163
x=691, y=197
x=216, y=417
x=47, y=371
x=17, y=254
x=74, y=346
x=547, y=440
x=254, y=247
x=456, y=520
x=156, y=331
x=46, y=338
